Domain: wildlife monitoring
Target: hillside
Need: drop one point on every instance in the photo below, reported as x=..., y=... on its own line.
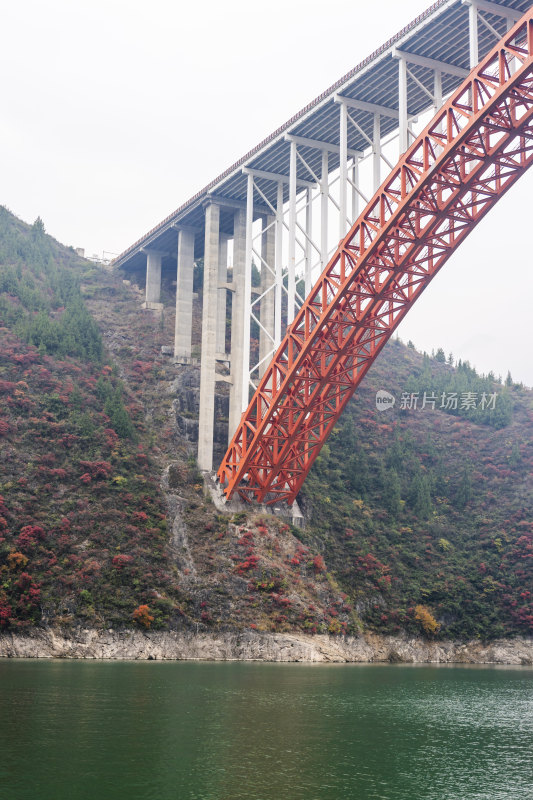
x=430, y=508
x=418, y=520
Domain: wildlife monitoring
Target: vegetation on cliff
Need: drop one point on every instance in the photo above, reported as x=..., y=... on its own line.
x=82, y=530
x=420, y=519
x=427, y=514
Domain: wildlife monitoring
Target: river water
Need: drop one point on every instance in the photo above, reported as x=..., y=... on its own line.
x=233, y=731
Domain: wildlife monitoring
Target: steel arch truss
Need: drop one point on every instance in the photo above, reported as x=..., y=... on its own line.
x=475, y=148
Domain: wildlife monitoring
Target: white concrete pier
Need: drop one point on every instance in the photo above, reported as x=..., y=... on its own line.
x=184, y=296
x=209, y=337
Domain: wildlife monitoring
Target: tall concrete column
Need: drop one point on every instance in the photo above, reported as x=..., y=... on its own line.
x=237, y=321
x=473, y=37
x=403, y=120
x=376, y=150
x=153, y=276
x=268, y=254
x=278, y=292
x=184, y=284
x=324, y=208
x=343, y=168
x=291, y=267
x=308, y=246
x=222, y=279
x=209, y=338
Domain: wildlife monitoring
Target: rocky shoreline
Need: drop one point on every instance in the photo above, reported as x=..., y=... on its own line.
x=133, y=645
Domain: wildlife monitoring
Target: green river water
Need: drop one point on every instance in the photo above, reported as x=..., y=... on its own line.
x=232, y=731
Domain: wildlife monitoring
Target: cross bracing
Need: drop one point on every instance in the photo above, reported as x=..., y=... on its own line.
x=284, y=206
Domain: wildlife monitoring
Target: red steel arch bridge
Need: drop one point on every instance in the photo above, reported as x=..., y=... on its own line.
x=444, y=111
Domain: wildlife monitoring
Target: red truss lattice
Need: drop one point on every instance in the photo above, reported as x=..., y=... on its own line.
x=474, y=149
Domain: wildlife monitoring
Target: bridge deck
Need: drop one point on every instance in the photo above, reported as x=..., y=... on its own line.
x=440, y=33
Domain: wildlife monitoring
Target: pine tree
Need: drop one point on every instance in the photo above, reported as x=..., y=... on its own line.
x=38, y=228
x=420, y=496
x=464, y=489
x=120, y=419
x=392, y=494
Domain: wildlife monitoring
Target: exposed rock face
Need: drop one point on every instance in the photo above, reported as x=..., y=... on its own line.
x=179, y=542
x=186, y=408
x=255, y=646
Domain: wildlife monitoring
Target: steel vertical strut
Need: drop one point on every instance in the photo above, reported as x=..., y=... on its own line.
x=477, y=145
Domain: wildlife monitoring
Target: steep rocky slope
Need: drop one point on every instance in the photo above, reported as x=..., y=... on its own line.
x=418, y=521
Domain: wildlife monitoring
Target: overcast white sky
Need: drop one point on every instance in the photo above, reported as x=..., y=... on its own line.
x=114, y=113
